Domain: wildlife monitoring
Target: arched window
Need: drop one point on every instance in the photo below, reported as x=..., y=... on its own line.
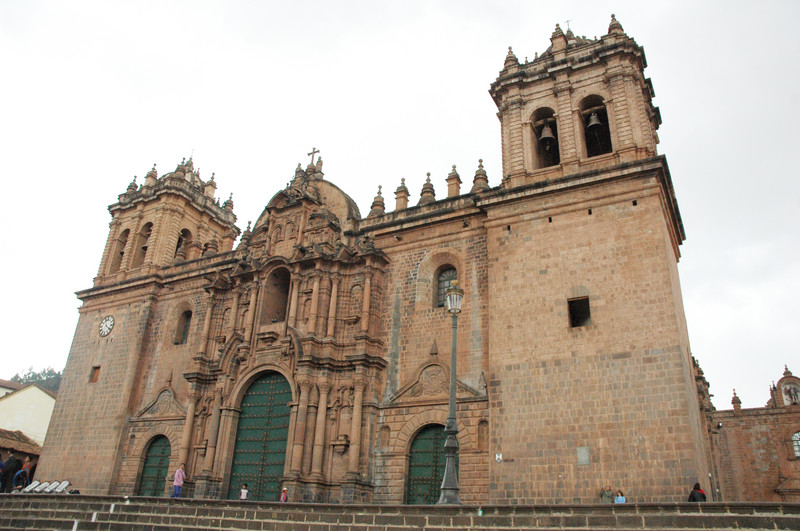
x=444, y=280
x=596, y=133
x=276, y=297
x=184, y=238
x=545, y=130
x=182, y=330
x=118, y=251
x=796, y=444
x=140, y=251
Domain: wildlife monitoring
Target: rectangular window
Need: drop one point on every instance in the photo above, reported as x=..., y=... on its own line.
x=94, y=374
x=579, y=312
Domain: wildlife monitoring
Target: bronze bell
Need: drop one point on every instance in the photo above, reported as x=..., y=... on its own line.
x=547, y=136
x=593, y=120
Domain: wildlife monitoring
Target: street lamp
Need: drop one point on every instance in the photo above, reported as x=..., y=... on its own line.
x=449, y=490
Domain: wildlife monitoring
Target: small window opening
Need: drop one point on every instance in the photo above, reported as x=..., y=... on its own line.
x=508, y=228
x=94, y=374
x=550, y=219
x=590, y=211
x=182, y=330
x=796, y=444
x=445, y=280
x=579, y=314
x=635, y=202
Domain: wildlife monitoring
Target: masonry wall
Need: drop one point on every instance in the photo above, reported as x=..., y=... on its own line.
x=87, y=426
x=575, y=408
x=754, y=452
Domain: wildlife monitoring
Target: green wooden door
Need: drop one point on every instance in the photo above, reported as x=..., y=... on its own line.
x=156, y=468
x=260, y=451
x=426, y=466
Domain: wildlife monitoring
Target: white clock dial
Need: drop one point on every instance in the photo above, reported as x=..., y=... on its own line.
x=106, y=325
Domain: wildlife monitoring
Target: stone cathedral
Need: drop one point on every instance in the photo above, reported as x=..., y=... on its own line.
x=310, y=350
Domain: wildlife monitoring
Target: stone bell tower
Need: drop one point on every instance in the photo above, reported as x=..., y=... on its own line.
x=167, y=220
x=583, y=105
x=588, y=227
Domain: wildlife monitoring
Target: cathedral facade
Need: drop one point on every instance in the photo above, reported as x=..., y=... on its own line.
x=312, y=355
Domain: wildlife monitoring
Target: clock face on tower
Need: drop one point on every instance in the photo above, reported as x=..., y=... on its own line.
x=106, y=325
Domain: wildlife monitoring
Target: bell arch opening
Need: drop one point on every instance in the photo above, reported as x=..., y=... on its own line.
x=545, y=129
x=596, y=133
x=276, y=296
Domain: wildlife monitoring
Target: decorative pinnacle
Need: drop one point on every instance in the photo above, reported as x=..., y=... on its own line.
x=212, y=175
x=480, y=164
x=379, y=190
x=429, y=177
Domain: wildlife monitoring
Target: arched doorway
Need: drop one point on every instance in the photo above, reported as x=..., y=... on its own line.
x=260, y=451
x=426, y=466
x=156, y=467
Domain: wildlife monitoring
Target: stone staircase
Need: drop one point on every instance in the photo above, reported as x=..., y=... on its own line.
x=77, y=512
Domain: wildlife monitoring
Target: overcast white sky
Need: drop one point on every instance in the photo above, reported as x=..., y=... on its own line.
x=93, y=93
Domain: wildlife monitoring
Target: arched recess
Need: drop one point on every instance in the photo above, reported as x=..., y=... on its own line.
x=426, y=289
x=596, y=132
x=118, y=251
x=545, y=132
x=140, y=248
x=426, y=462
x=262, y=431
x=153, y=478
x=276, y=296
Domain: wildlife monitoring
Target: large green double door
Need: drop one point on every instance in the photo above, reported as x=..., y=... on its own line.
x=156, y=467
x=260, y=451
x=426, y=466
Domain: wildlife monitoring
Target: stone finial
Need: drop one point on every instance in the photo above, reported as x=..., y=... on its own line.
x=453, y=183
x=228, y=204
x=481, y=181
x=401, y=196
x=511, y=60
x=132, y=186
x=786, y=371
x=615, y=26
x=428, y=194
x=210, y=187
x=558, y=40
x=246, y=234
x=736, y=402
x=378, y=206
x=152, y=177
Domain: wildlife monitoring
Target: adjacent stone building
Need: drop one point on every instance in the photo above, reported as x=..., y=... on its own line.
x=308, y=356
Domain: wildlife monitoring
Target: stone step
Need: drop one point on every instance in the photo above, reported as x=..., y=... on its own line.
x=110, y=512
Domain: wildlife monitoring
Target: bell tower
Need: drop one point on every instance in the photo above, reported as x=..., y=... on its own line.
x=582, y=105
x=167, y=220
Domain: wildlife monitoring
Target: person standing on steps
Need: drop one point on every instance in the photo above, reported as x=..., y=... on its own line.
x=284, y=495
x=697, y=494
x=244, y=494
x=620, y=497
x=177, y=483
x=606, y=496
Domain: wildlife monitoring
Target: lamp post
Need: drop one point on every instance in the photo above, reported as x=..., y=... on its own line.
x=449, y=490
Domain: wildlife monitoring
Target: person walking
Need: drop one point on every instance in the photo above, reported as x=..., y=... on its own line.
x=177, y=482
x=620, y=497
x=244, y=494
x=606, y=496
x=697, y=494
x=284, y=495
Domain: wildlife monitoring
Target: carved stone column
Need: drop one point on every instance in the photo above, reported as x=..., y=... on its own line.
x=293, y=303
x=332, y=308
x=300, y=428
x=213, y=434
x=312, y=320
x=365, y=305
x=354, y=465
x=186, y=437
x=251, y=312
x=231, y=324
x=207, y=326
x=319, y=432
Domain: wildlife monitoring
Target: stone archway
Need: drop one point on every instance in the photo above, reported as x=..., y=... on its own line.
x=156, y=467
